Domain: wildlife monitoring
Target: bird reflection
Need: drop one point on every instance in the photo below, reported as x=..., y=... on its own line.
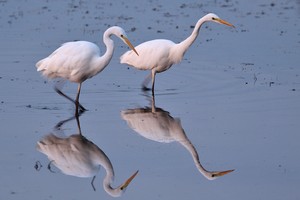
x=158, y=125
x=75, y=155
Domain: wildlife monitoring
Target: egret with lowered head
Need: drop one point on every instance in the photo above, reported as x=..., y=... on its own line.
x=80, y=60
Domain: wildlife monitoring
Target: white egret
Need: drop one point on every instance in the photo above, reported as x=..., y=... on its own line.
x=160, y=54
x=76, y=156
x=158, y=125
x=80, y=60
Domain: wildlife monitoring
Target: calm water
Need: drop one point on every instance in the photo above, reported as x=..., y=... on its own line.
x=234, y=99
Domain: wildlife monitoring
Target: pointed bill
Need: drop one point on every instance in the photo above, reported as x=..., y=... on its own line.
x=225, y=22
x=127, y=182
x=222, y=173
x=130, y=45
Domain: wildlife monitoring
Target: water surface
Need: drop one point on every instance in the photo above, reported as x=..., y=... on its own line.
x=236, y=94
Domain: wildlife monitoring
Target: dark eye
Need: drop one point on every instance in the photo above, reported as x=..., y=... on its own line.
x=213, y=18
x=122, y=36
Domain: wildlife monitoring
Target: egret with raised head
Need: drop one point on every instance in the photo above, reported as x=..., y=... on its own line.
x=160, y=54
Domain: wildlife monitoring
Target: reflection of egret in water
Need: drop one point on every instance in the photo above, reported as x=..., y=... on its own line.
x=77, y=156
x=158, y=125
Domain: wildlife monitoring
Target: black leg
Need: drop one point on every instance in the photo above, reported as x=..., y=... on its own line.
x=92, y=183
x=61, y=123
x=82, y=109
x=153, y=73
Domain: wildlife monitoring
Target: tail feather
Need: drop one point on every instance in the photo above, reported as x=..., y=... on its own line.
x=41, y=65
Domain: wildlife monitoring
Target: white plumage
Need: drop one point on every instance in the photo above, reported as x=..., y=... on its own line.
x=64, y=62
x=160, y=54
x=158, y=125
x=80, y=60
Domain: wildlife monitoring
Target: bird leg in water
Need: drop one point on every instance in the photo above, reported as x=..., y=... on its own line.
x=78, y=122
x=77, y=99
x=82, y=109
x=92, y=183
x=153, y=108
x=153, y=72
x=59, y=124
x=147, y=80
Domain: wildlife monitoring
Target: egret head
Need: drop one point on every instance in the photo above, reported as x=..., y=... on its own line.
x=120, y=33
x=117, y=192
x=215, y=18
x=216, y=174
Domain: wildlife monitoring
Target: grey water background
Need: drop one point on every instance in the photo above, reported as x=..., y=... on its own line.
x=236, y=93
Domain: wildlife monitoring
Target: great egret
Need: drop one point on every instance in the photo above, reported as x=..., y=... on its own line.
x=75, y=155
x=158, y=125
x=160, y=54
x=80, y=60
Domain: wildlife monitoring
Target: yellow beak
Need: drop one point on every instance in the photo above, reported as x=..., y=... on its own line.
x=222, y=173
x=224, y=22
x=127, y=182
x=130, y=45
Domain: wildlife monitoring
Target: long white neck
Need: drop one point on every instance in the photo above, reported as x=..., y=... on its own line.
x=109, y=43
x=100, y=158
x=190, y=147
x=108, y=179
x=101, y=62
x=185, y=44
x=109, y=176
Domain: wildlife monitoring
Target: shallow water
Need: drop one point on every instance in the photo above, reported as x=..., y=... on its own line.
x=236, y=94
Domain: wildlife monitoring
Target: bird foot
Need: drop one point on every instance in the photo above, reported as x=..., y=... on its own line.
x=144, y=88
x=81, y=108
